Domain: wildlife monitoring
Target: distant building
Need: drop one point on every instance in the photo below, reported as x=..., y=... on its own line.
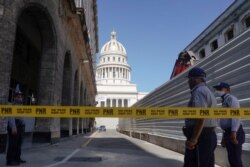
x=113, y=79
x=48, y=48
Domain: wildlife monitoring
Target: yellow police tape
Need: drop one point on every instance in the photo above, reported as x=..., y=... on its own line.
x=129, y=112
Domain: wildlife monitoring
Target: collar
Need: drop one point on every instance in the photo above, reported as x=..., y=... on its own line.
x=224, y=96
x=197, y=86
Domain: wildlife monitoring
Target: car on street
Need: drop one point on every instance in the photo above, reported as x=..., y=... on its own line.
x=102, y=128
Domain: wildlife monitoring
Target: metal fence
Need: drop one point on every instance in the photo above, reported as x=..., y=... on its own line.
x=230, y=63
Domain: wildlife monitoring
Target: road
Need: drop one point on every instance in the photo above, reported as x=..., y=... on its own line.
x=106, y=149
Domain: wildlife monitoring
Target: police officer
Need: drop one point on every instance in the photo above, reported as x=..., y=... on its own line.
x=16, y=128
x=201, y=137
x=233, y=133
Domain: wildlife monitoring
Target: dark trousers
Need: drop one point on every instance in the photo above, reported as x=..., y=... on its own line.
x=203, y=154
x=234, y=151
x=14, y=144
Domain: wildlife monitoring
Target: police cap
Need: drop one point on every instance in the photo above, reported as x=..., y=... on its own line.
x=221, y=85
x=196, y=72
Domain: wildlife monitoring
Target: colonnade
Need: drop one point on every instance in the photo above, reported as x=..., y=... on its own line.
x=115, y=103
x=113, y=72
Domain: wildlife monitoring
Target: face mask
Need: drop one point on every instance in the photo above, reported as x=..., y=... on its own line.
x=219, y=93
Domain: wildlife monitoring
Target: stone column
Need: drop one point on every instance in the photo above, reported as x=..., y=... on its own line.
x=101, y=73
x=129, y=76
x=7, y=36
x=81, y=129
x=123, y=73
x=107, y=70
x=70, y=127
x=120, y=73
x=77, y=125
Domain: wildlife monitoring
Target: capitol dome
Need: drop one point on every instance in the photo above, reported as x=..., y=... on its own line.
x=113, y=67
x=113, y=46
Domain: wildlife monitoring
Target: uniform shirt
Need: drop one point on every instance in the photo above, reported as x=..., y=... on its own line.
x=229, y=100
x=201, y=96
x=12, y=120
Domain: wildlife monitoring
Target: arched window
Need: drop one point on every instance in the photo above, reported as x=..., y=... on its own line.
x=246, y=21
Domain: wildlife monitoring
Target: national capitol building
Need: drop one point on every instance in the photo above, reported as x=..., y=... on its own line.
x=113, y=79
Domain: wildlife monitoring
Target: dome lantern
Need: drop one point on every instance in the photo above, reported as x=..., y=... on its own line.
x=113, y=35
x=113, y=46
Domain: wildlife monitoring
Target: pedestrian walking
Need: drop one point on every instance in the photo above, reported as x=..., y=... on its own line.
x=16, y=129
x=233, y=134
x=200, y=133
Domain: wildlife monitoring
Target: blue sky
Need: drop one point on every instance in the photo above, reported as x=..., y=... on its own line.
x=154, y=32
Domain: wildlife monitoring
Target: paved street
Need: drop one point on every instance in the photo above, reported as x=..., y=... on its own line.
x=106, y=149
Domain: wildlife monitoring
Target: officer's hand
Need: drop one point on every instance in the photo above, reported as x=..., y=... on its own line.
x=190, y=144
x=233, y=138
x=13, y=131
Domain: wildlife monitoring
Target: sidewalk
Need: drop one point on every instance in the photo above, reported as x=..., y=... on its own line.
x=45, y=153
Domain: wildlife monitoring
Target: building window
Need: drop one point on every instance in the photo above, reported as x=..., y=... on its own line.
x=102, y=104
x=103, y=59
x=229, y=34
x=120, y=103
x=113, y=58
x=108, y=59
x=108, y=102
x=246, y=21
x=114, y=103
x=125, y=103
x=119, y=59
x=202, y=53
x=214, y=45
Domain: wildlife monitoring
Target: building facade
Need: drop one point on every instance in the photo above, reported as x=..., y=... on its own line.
x=113, y=79
x=48, y=48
